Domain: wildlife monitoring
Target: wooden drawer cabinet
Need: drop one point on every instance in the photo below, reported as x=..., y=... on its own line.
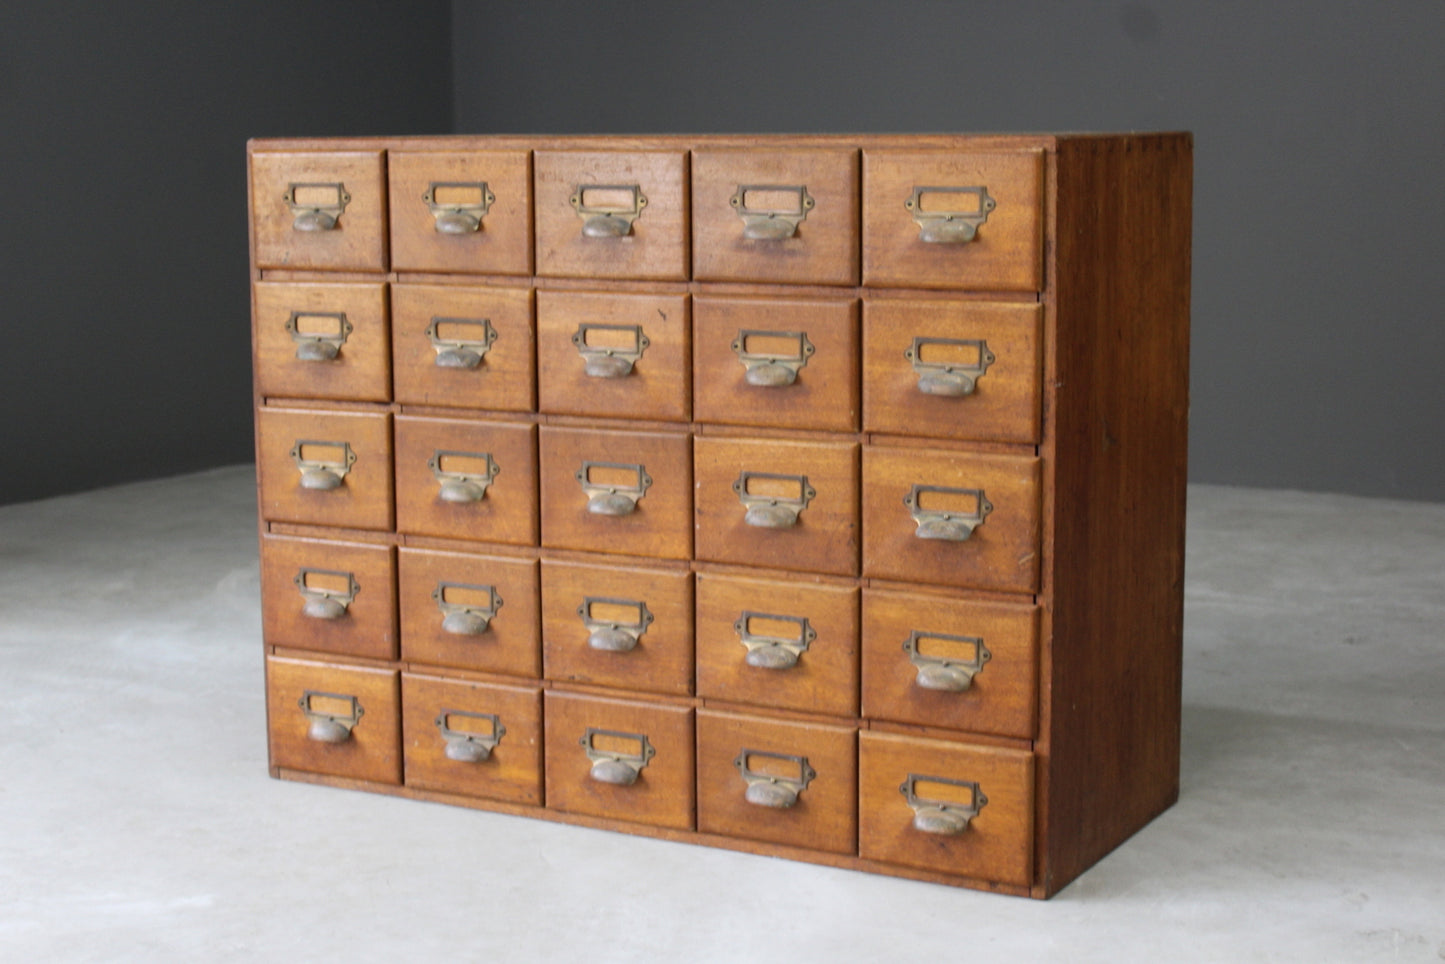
x=816, y=496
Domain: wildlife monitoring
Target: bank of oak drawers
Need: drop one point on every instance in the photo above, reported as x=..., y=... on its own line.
x=815, y=496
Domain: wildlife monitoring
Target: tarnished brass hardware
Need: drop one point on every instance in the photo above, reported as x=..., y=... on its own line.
x=614, y=635
x=766, y=651
x=610, y=361
x=466, y=619
x=458, y=206
x=330, y=727
x=766, y=222
x=461, y=352
x=772, y=369
x=608, y=210
x=953, y=378
x=941, y=672
x=615, y=766
x=470, y=746
x=942, y=816
x=766, y=790
x=769, y=510
x=316, y=206
x=613, y=498
x=317, y=345
x=942, y=523
x=323, y=602
x=457, y=485
x=956, y=225
x=322, y=473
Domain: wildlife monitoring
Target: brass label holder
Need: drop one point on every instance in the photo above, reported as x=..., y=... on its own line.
x=322, y=474
x=610, y=361
x=945, y=524
x=614, y=636
x=466, y=619
x=766, y=790
x=608, y=220
x=613, y=499
x=772, y=224
x=463, y=217
x=460, y=352
x=956, y=226
x=772, y=369
x=330, y=727
x=323, y=603
x=316, y=346
x=316, y=213
x=614, y=766
x=774, y=652
x=949, y=378
x=942, y=816
x=469, y=746
x=773, y=511
x=462, y=487
x=941, y=672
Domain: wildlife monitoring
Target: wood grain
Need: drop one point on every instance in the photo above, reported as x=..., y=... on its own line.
x=509, y=645
x=357, y=242
x=373, y=751
x=505, y=380
x=503, y=244
x=513, y=769
x=368, y=627
x=361, y=370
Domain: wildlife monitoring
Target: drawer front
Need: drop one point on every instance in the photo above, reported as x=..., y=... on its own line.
x=466, y=480
x=781, y=216
x=773, y=643
x=463, y=346
x=605, y=214
x=620, y=759
x=477, y=739
x=322, y=341
x=618, y=627
x=342, y=721
x=931, y=540
x=323, y=209
x=626, y=492
x=461, y=211
x=952, y=369
x=617, y=355
x=947, y=662
x=782, y=505
x=333, y=597
x=924, y=225
x=469, y=611
x=934, y=831
x=325, y=468
x=774, y=362
x=788, y=783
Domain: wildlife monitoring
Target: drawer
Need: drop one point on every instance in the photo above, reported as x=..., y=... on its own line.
x=325, y=468
x=620, y=759
x=921, y=511
x=477, y=739
x=947, y=662
x=915, y=803
x=620, y=355
x=334, y=597
x=787, y=783
x=612, y=214
x=344, y=721
x=466, y=480
x=785, y=363
x=461, y=211
x=952, y=369
x=618, y=627
x=321, y=209
x=469, y=611
x=322, y=341
x=463, y=346
x=780, y=216
x=773, y=643
x=783, y=505
x=953, y=219
x=627, y=492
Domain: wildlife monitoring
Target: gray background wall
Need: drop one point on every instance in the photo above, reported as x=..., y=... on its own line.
x=1319, y=334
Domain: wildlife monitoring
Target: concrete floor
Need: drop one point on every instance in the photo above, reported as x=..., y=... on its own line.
x=137, y=822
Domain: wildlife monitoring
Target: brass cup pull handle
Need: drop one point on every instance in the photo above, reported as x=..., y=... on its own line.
x=949, y=523
x=613, y=495
x=771, y=650
x=949, y=673
x=771, y=212
x=332, y=725
x=772, y=359
x=607, y=210
x=773, y=501
x=466, y=618
x=768, y=788
x=326, y=597
x=943, y=816
x=615, y=762
x=457, y=352
x=467, y=479
x=323, y=464
x=318, y=345
x=469, y=745
x=613, y=355
x=955, y=223
x=316, y=206
x=956, y=366
x=615, y=635
x=458, y=207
